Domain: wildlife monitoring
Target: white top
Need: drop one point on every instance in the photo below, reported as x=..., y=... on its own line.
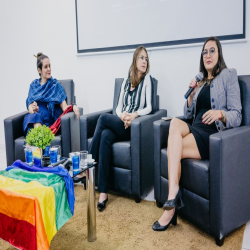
x=138, y=100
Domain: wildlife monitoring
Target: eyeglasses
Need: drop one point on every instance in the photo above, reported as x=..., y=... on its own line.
x=211, y=52
x=143, y=58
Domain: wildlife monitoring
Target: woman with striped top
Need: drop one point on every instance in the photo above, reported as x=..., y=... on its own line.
x=134, y=101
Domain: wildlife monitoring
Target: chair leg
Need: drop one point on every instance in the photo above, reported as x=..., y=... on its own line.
x=159, y=204
x=137, y=199
x=219, y=242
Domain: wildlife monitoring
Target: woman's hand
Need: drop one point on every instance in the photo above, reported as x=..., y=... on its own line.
x=129, y=118
x=76, y=111
x=33, y=108
x=123, y=115
x=192, y=84
x=211, y=116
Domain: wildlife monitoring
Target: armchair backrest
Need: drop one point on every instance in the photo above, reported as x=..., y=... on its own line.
x=244, y=82
x=69, y=87
x=154, y=98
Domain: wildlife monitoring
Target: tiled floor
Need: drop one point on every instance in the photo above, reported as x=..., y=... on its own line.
x=150, y=197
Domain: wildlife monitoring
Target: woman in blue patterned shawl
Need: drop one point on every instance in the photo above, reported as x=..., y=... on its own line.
x=46, y=99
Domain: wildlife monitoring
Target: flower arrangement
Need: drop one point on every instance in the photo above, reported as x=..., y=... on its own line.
x=39, y=137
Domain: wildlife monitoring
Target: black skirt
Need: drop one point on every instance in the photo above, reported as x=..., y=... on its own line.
x=201, y=131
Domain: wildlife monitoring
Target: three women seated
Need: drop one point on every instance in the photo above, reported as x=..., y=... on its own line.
x=214, y=106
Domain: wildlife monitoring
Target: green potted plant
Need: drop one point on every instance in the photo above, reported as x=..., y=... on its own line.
x=38, y=138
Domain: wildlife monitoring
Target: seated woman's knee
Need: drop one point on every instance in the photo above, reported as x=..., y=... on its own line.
x=174, y=125
x=108, y=136
x=103, y=117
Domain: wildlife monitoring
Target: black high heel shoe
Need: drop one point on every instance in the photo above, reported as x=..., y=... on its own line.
x=175, y=203
x=158, y=227
x=102, y=205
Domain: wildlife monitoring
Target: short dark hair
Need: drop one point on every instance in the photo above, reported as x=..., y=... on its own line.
x=40, y=56
x=220, y=65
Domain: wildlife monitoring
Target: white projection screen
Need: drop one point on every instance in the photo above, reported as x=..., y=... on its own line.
x=108, y=25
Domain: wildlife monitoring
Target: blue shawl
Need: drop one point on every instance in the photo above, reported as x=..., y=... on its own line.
x=51, y=92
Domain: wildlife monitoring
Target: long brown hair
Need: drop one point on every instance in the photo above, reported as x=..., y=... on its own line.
x=133, y=72
x=220, y=65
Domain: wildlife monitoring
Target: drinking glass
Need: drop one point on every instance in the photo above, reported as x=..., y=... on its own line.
x=58, y=151
x=83, y=159
x=53, y=155
x=75, y=157
x=28, y=155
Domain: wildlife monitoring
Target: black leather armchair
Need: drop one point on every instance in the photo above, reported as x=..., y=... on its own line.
x=215, y=191
x=69, y=138
x=132, y=166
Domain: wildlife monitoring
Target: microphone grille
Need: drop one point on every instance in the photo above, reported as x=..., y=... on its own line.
x=199, y=76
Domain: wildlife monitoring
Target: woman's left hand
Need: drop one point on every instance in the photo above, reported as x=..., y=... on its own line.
x=211, y=116
x=76, y=111
x=129, y=118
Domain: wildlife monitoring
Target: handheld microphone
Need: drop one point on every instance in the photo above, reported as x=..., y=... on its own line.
x=198, y=77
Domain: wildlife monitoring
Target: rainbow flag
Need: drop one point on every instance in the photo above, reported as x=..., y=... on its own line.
x=35, y=203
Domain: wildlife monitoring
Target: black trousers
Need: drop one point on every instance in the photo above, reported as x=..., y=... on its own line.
x=109, y=129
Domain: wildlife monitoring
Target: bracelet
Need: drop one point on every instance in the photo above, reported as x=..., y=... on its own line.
x=73, y=104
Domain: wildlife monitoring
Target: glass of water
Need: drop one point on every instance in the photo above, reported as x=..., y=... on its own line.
x=83, y=159
x=58, y=147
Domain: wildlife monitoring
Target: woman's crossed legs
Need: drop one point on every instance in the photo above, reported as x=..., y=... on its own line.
x=181, y=144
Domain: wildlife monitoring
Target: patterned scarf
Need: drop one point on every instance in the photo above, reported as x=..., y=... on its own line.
x=51, y=92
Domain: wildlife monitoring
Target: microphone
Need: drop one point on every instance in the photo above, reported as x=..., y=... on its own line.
x=198, y=77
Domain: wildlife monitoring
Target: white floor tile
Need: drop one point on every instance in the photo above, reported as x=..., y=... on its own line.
x=246, y=239
x=150, y=196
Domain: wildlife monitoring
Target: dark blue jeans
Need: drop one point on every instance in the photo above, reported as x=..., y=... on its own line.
x=109, y=129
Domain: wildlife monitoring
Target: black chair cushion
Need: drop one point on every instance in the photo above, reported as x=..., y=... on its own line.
x=19, y=148
x=194, y=174
x=121, y=154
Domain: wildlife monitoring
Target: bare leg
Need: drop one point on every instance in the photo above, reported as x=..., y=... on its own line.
x=181, y=144
x=103, y=197
x=177, y=131
x=37, y=125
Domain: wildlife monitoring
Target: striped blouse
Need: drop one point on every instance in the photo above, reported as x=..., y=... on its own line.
x=137, y=100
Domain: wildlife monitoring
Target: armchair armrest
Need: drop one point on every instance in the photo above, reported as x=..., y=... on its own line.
x=87, y=127
x=13, y=127
x=229, y=180
x=142, y=144
x=70, y=133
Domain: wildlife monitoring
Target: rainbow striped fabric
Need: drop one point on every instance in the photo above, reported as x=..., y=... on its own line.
x=34, y=204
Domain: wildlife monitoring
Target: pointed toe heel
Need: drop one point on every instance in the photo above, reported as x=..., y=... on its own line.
x=158, y=227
